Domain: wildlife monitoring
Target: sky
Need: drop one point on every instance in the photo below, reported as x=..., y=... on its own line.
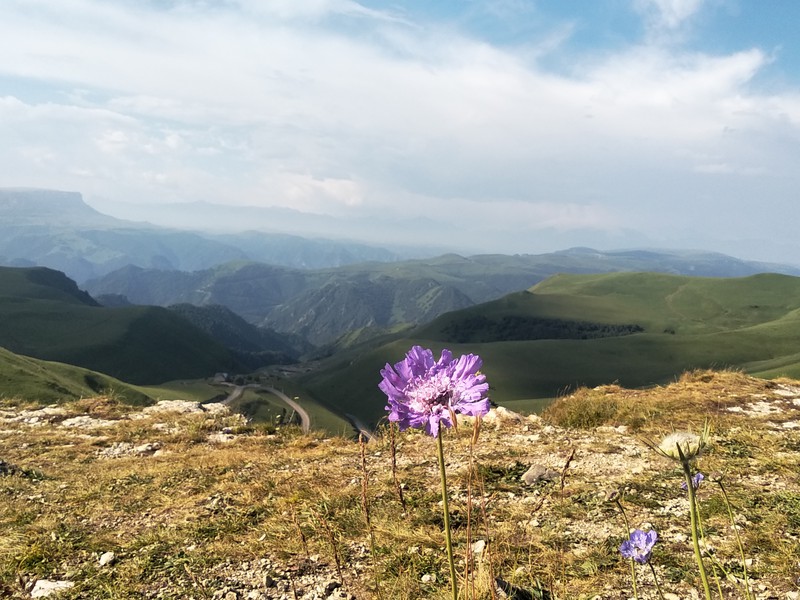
x=513, y=126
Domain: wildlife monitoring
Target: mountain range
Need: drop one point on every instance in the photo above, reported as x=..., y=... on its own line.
x=158, y=304
x=59, y=230
x=337, y=306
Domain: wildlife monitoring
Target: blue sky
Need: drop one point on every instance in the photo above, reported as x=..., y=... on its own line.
x=508, y=126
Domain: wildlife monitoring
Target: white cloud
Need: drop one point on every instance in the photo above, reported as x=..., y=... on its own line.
x=714, y=168
x=326, y=105
x=668, y=14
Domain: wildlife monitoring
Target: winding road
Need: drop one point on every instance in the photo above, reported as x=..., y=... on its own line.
x=238, y=390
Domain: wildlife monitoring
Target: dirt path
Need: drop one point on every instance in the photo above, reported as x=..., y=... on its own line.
x=238, y=390
x=305, y=420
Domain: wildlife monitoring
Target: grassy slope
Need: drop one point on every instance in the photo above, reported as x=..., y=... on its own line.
x=43, y=314
x=206, y=519
x=27, y=378
x=752, y=323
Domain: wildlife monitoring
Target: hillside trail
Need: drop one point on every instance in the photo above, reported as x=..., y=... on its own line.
x=238, y=390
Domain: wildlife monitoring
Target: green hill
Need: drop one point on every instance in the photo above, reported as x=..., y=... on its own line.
x=656, y=325
x=29, y=379
x=255, y=346
x=44, y=315
x=327, y=305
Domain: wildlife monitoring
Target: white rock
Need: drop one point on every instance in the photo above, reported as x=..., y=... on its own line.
x=216, y=408
x=479, y=546
x=106, y=558
x=45, y=587
x=146, y=449
x=177, y=406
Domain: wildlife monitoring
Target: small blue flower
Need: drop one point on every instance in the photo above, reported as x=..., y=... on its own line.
x=639, y=545
x=695, y=482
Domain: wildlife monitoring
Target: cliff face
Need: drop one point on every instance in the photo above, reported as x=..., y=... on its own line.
x=31, y=206
x=175, y=501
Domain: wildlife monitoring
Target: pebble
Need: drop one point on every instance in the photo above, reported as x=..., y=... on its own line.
x=478, y=547
x=539, y=473
x=46, y=587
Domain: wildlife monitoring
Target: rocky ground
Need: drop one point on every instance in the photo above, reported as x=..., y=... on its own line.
x=98, y=500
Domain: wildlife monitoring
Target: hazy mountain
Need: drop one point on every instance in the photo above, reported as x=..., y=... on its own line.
x=341, y=306
x=24, y=207
x=410, y=238
x=60, y=231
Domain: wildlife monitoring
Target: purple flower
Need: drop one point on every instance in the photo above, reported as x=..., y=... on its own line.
x=639, y=545
x=424, y=393
x=695, y=482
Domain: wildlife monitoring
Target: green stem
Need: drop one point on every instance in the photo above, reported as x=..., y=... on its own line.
x=655, y=578
x=738, y=540
x=446, y=509
x=628, y=533
x=687, y=472
x=712, y=558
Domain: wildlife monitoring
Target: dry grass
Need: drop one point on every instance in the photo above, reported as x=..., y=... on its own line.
x=271, y=509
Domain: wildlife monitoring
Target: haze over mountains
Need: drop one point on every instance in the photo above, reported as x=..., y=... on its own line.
x=163, y=304
x=59, y=230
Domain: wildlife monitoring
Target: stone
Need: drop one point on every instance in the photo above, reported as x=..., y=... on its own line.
x=86, y=422
x=330, y=587
x=107, y=558
x=538, y=473
x=46, y=587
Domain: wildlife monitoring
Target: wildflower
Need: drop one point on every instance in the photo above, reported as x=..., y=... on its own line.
x=681, y=442
x=684, y=447
x=695, y=481
x=717, y=476
x=426, y=393
x=639, y=545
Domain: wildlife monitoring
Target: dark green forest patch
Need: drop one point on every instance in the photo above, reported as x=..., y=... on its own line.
x=482, y=329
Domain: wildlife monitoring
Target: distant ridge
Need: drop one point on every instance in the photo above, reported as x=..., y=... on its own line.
x=354, y=302
x=57, y=229
x=40, y=207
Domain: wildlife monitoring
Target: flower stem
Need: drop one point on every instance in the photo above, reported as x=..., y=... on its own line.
x=446, y=509
x=633, y=579
x=628, y=532
x=655, y=578
x=738, y=539
x=687, y=472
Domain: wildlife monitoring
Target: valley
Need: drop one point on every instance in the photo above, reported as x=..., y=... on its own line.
x=544, y=324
